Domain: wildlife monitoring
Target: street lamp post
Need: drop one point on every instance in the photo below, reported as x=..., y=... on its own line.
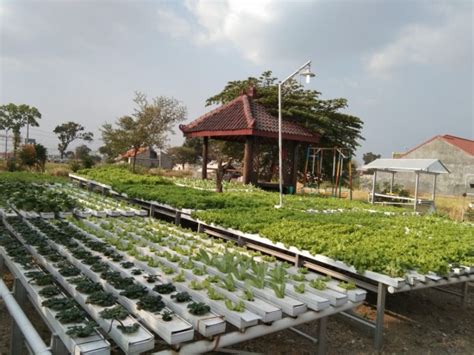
x=304, y=70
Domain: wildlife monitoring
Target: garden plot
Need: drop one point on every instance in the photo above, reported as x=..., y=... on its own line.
x=118, y=276
x=130, y=335
x=269, y=284
x=60, y=312
x=97, y=205
x=127, y=292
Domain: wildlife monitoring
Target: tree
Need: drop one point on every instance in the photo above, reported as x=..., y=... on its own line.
x=82, y=151
x=27, y=155
x=83, y=155
x=33, y=155
x=147, y=126
x=302, y=106
x=69, y=132
x=15, y=117
x=41, y=156
x=370, y=157
x=182, y=155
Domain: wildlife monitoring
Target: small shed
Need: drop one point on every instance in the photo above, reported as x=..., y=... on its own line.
x=432, y=167
x=244, y=120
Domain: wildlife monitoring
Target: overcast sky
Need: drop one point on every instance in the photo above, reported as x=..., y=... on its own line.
x=406, y=67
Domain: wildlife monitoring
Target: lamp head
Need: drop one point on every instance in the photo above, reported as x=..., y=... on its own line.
x=307, y=73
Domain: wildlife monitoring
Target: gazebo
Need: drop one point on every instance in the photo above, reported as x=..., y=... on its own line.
x=244, y=120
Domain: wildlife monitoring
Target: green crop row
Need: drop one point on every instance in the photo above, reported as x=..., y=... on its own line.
x=389, y=243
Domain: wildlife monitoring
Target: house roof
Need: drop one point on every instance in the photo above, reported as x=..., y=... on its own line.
x=433, y=166
x=129, y=153
x=464, y=144
x=245, y=117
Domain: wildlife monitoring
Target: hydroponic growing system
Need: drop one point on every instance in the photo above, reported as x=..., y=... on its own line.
x=112, y=278
x=106, y=270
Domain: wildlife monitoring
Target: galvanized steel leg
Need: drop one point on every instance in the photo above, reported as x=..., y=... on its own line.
x=17, y=345
x=2, y=266
x=57, y=346
x=465, y=287
x=322, y=336
x=381, y=296
x=177, y=219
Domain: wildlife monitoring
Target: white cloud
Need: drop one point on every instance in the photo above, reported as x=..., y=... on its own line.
x=232, y=21
x=448, y=44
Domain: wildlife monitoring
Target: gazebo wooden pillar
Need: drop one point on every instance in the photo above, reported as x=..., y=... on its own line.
x=205, y=153
x=248, y=170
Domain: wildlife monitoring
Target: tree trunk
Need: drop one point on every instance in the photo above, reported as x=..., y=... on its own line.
x=16, y=141
x=219, y=176
x=135, y=151
x=6, y=144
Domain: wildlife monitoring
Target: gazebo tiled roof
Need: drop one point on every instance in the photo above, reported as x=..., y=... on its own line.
x=245, y=117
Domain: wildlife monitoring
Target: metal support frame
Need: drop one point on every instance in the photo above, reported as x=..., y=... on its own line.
x=465, y=288
x=462, y=295
x=177, y=219
x=322, y=336
x=17, y=339
x=374, y=181
x=392, y=179
x=417, y=182
x=381, y=297
x=57, y=346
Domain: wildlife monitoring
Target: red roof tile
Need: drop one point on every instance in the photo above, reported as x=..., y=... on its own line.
x=242, y=117
x=464, y=144
x=129, y=153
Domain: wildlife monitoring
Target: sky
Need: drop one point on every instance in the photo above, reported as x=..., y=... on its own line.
x=405, y=67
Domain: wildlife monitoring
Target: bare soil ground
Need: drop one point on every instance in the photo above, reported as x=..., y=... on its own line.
x=420, y=322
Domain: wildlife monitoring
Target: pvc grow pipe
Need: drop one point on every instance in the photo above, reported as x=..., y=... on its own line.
x=35, y=342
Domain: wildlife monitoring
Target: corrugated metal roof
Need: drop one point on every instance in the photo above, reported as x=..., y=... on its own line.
x=434, y=166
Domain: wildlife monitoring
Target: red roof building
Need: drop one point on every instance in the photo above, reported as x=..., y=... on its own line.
x=466, y=145
x=245, y=120
x=456, y=153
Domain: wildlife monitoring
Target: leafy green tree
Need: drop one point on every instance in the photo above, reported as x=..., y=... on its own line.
x=27, y=155
x=182, y=155
x=301, y=106
x=83, y=155
x=68, y=132
x=15, y=117
x=33, y=156
x=41, y=156
x=370, y=157
x=147, y=126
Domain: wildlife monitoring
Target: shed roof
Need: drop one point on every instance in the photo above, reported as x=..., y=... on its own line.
x=433, y=166
x=245, y=117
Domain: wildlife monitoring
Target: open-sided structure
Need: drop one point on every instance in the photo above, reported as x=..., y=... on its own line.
x=244, y=120
x=433, y=167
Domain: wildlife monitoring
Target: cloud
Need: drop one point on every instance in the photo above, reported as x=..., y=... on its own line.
x=448, y=43
x=234, y=22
